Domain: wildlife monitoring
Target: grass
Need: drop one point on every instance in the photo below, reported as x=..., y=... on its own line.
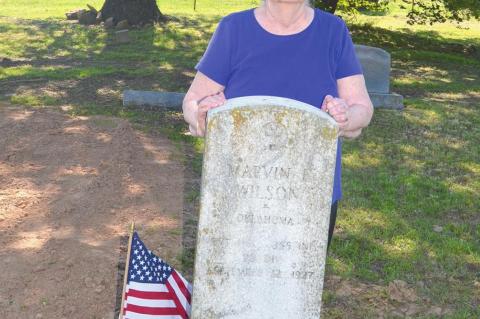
x=411, y=209
x=34, y=100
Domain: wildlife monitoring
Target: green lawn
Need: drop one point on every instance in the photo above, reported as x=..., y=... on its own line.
x=411, y=209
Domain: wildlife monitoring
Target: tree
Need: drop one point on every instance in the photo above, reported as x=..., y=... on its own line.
x=136, y=12
x=350, y=6
x=431, y=11
x=419, y=11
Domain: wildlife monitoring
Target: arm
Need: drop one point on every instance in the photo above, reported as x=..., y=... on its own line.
x=206, y=90
x=203, y=94
x=353, y=110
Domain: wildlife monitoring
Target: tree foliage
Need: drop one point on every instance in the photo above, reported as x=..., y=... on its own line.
x=351, y=6
x=418, y=11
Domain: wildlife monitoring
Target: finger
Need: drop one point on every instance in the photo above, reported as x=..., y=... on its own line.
x=326, y=100
x=204, y=108
x=329, y=106
x=338, y=114
x=202, y=113
x=336, y=109
x=202, y=118
x=223, y=99
x=201, y=128
x=208, y=103
x=324, y=106
x=207, y=99
x=217, y=100
x=342, y=126
x=337, y=102
x=334, y=112
x=340, y=118
x=221, y=95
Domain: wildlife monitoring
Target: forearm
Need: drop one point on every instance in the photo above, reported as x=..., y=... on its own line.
x=359, y=109
x=190, y=113
x=202, y=95
x=359, y=116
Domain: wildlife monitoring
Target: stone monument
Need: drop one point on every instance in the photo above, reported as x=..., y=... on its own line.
x=265, y=207
x=376, y=64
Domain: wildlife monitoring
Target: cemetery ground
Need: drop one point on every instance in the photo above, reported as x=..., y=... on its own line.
x=75, y=166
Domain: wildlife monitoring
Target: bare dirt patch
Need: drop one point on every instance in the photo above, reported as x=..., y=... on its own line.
x=69, y=188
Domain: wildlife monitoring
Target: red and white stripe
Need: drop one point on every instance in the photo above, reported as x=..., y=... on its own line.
x=158, y=301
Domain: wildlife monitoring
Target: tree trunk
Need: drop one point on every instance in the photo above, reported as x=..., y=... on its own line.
x=331, y=5
x=137, y=12
x=327, y=5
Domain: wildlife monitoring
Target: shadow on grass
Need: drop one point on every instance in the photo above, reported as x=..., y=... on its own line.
x=85, y=64
x=411, y=202
x=160, y=58
x=425, y=62
x=406, y=39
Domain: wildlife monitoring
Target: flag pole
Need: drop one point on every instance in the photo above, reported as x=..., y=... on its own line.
x=127, y=264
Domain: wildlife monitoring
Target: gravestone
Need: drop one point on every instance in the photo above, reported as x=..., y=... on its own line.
x=122, y=36
x=376, y=68
x=171, y=100
x=265, y=206
x=376, y=65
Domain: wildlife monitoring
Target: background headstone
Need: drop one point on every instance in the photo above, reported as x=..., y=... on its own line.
x=122, y=36
x=376, y=65
x=387, y=100
x=87, y=17
x=153, y=99
x=265, y=205
x=376, y=68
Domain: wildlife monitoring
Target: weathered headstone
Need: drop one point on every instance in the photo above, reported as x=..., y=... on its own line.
x=73, y=15
x=87, y=17
x=122, y=25
x=376, y=65
x=265, y=206
x=376, y=68
x=109, y=23
x=122, y=36
x=153, y=99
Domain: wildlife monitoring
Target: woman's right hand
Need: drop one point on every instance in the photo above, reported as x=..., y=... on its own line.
x=205, y=104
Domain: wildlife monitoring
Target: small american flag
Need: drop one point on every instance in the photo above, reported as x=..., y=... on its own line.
x=154, y=290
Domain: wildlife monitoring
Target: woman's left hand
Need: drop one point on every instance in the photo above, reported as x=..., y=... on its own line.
x=339, y=110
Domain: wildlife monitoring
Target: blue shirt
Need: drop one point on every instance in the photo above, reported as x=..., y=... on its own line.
x=305, y=66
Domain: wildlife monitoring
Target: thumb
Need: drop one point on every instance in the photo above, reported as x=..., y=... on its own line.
x=222, y=97
x=327, y=99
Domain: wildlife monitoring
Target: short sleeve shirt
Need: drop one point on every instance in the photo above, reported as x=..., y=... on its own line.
x=248, y=60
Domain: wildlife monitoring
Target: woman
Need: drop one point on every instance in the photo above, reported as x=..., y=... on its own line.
x=283, y=48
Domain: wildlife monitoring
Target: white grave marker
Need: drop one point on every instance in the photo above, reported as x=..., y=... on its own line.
x=265, y=206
